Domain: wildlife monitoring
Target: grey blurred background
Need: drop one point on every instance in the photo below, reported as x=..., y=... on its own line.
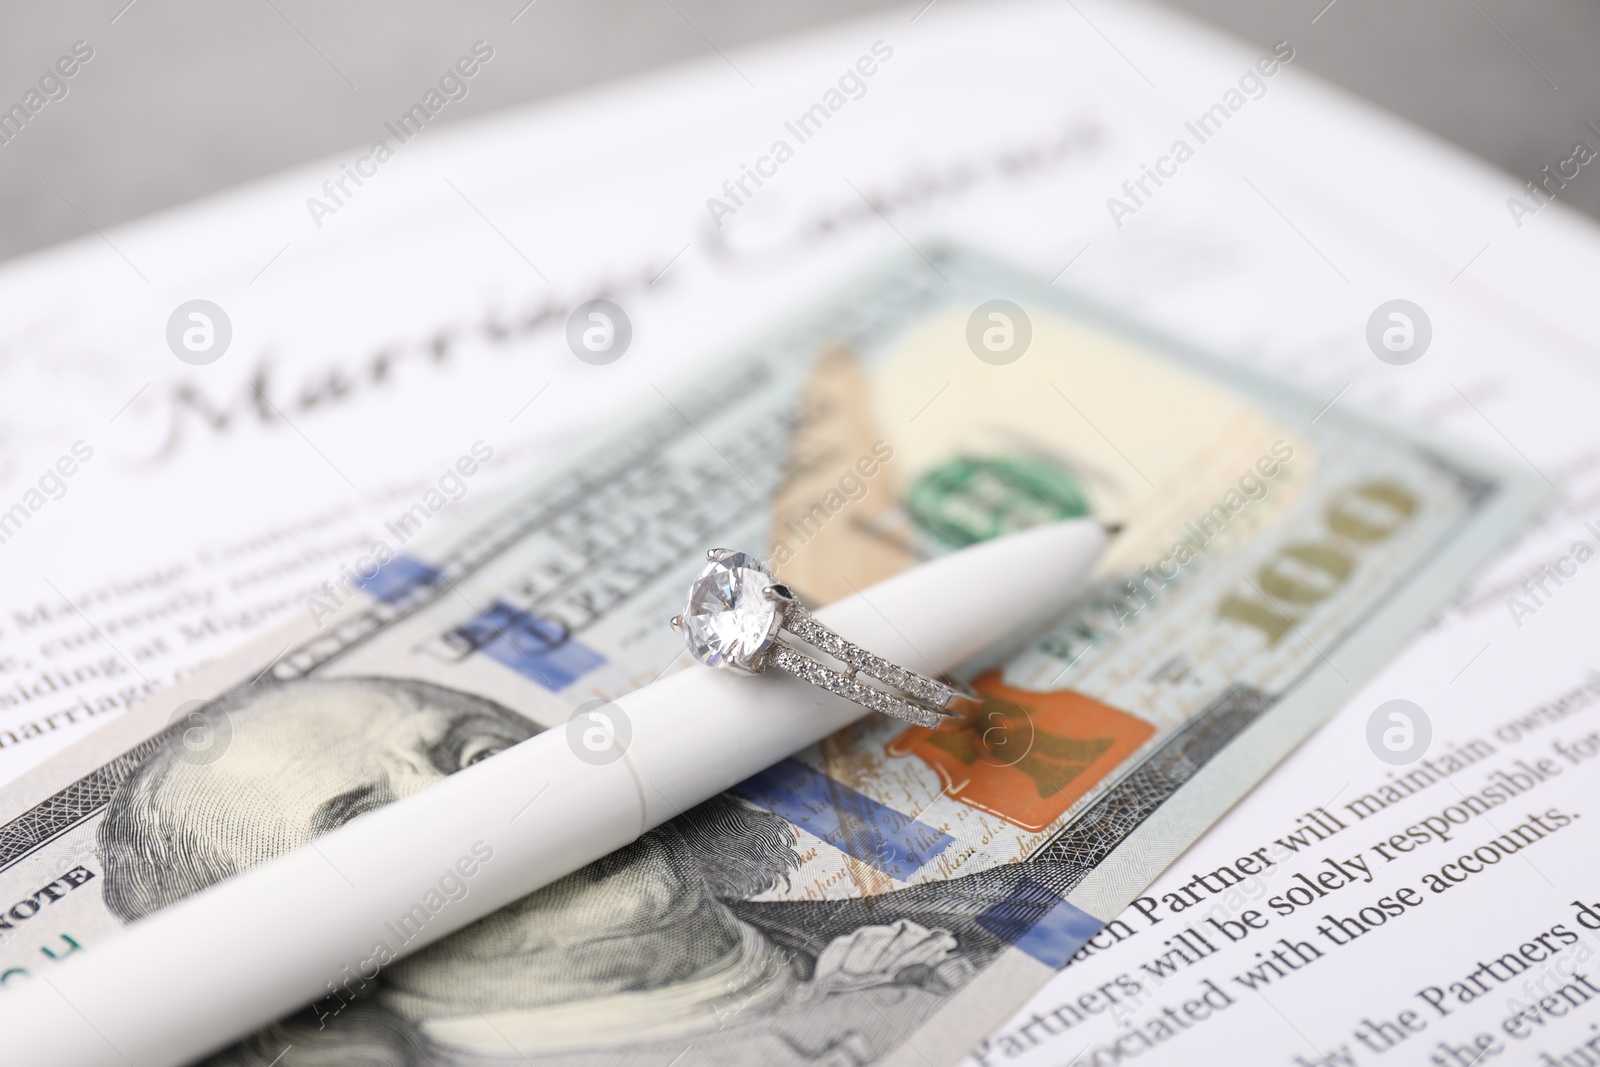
x=187, y=97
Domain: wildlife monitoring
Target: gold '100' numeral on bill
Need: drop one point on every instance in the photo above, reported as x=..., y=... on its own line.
x=1305, y=573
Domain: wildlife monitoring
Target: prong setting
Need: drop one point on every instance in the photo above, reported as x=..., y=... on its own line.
x=730, y=621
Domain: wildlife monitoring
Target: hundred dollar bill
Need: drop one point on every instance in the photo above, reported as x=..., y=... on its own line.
x=887, y=895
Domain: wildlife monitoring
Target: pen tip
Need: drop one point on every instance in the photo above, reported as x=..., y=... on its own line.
x=1111, y=528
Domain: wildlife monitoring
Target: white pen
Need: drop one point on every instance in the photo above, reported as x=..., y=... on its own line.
x=232, y=958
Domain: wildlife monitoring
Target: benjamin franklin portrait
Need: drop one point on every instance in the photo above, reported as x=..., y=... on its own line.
x=656, y=949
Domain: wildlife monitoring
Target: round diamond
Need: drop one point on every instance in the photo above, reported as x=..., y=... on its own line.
x=730, y=622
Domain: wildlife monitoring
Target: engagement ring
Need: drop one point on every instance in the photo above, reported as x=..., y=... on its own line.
x=736, y=608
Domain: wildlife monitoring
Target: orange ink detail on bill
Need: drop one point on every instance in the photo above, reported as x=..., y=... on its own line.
x=1025, y=756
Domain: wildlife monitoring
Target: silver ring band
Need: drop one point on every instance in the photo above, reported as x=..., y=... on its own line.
x=926, y=702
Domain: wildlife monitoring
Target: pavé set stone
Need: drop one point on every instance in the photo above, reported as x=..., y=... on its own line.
x=736, y=610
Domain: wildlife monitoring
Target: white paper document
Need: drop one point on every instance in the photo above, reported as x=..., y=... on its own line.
x=396, y=360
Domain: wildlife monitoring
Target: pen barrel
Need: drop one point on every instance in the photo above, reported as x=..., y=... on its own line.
x=318, y=923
